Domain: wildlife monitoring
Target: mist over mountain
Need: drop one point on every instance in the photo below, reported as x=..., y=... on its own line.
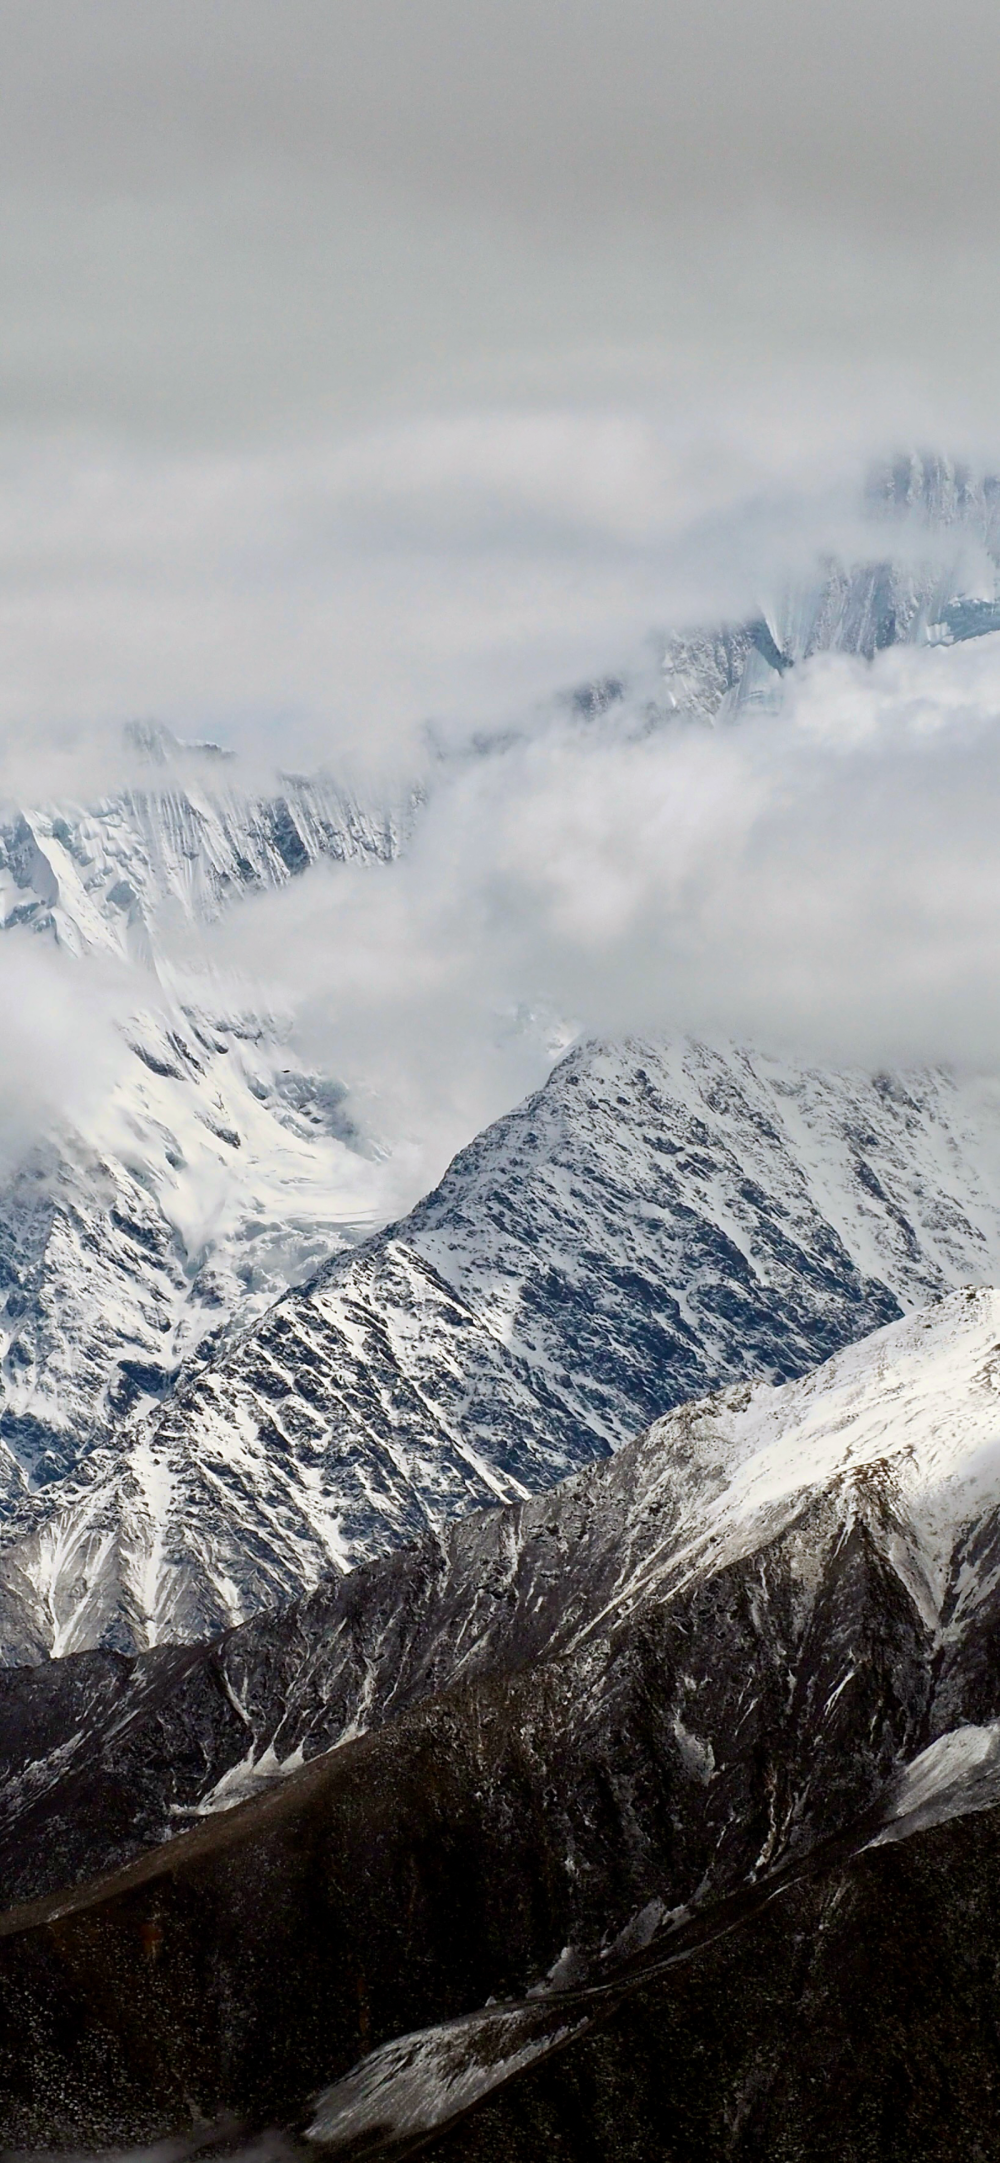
x=341, y=1609
x=282, y=1012
x=499, y=1082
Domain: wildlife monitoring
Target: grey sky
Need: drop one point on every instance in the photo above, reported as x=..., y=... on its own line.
x=361, y=359
x=366, y=361
x=643, y=108
x=219, y=212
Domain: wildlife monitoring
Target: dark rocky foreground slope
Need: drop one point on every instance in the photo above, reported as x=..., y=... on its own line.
x=605, y=1727
x=102, y=1754
x=848, y=2015
x=854, y=2019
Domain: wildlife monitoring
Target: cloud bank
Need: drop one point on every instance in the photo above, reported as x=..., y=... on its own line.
x=63, y=1042
x=365, y=367
x=362, y=364
x=823, y=879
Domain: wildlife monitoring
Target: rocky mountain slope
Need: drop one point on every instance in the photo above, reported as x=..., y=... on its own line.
x=656, y=1221
x=222, y=1170
x=577, y=1745
x=182, y=843
x=219, y=1168
x=853, y=2019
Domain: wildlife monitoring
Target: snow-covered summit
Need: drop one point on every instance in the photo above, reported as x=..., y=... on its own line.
x=180, y=847
x=657, y=1221
x=930, y=577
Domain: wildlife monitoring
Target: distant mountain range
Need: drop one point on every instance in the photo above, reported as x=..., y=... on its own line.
x=219, y=1377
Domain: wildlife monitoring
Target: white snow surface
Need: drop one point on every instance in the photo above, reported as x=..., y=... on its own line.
x=218, y=1169
x=955, y=1776
x=907, y=1423
x=423, y=2080
x=657, y=1220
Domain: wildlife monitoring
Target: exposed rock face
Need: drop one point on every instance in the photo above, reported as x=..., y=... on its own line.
x=602, y=1725
x=855, y=2020
x=656, y=1221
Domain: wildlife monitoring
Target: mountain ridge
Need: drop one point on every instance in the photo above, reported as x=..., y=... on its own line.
x=885, y=1459
x=599, y=1718
x=655, y=1221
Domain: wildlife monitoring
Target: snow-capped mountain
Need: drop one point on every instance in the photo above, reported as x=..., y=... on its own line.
x=222, y=1169
x=542, y=1760
x=182, y=845
x=858, y=607
x=655, y=1222
x=219, y=1168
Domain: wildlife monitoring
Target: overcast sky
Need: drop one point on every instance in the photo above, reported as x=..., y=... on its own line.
x=362, y=360
x=365, y=363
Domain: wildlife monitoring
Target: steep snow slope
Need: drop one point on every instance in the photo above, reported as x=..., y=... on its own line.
x=106, y=876
x=219, y=1169
x=656, y=1221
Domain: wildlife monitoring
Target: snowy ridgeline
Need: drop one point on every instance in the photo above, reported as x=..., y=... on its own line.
x=655, y=1222
x=815, y=1565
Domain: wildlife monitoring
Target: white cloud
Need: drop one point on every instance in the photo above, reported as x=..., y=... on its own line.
x=62, y=1043
x=825, y=878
